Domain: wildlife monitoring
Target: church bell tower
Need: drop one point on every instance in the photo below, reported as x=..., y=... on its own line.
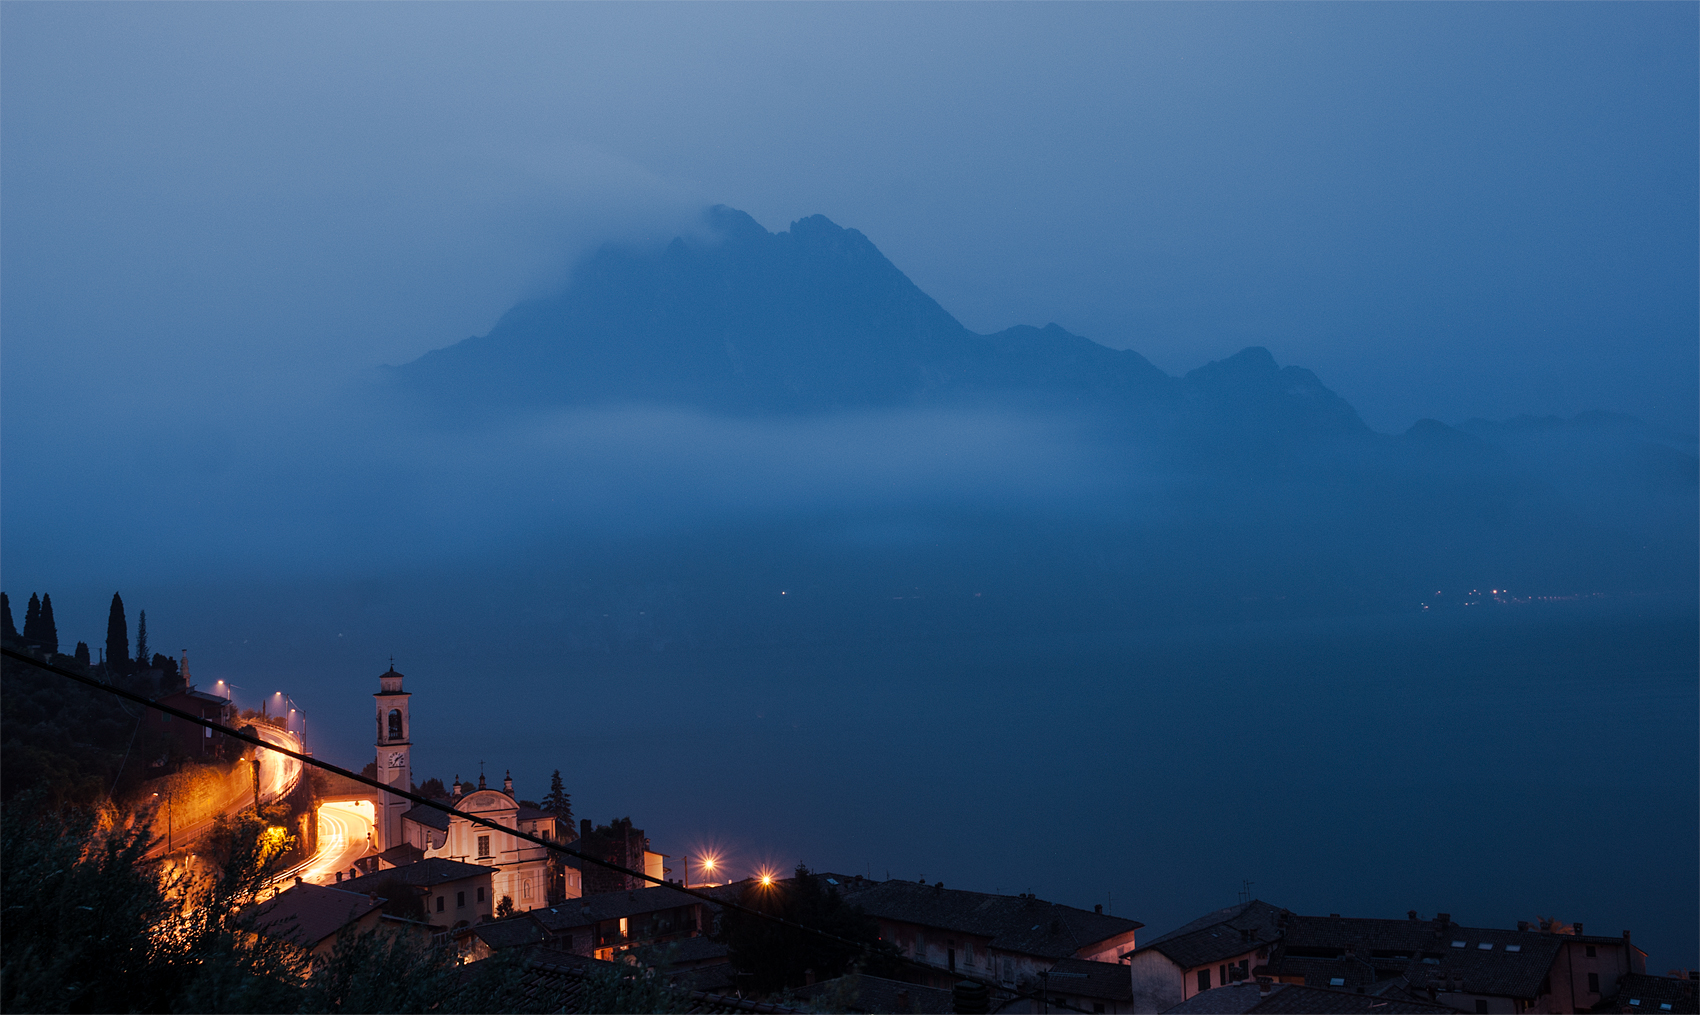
x=395, y=765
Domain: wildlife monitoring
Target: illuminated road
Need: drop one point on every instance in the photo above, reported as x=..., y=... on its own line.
x=345, y=831
x=278, y=773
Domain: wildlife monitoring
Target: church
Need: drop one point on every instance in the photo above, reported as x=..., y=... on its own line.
x=519, y=870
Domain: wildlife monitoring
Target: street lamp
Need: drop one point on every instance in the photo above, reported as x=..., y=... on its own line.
x=167, y=818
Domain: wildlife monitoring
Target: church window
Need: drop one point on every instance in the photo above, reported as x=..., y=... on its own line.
x=483, y=845
x=395, y=724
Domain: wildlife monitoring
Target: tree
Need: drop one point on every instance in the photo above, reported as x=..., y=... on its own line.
x=776, y=957
x=142, y=640
x=559, y=802
x=167, y=667
x=32, y=620
x=49, y=630
x=83, y=652
x=117, y=636
x=505, y=908
x=10, y=630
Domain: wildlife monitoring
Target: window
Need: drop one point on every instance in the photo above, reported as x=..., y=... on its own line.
x=395, y=724
x=1593, y=983
x=1204, y=979
x=460, y=900
x=1222, y=975
x=1457, y=944
x=1481, y=1007
x=1592, y=953
x=480, y=895
x=483, y=845
x=440, y=901
x=1513, y=948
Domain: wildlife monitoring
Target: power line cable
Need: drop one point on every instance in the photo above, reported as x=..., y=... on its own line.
x=305, y=759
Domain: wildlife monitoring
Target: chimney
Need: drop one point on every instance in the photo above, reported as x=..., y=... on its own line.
x=508, y=782
x=1263, y=986
x=1522, y=925
x=1443, y=919
x=1411, y=914
x=1099, y=908
x=339, y=877
x=373, y=896
x=298, y=879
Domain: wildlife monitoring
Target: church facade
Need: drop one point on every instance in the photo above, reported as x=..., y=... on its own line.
x=519, y=870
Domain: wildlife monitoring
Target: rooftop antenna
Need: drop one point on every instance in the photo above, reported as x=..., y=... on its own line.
x=1245, y=890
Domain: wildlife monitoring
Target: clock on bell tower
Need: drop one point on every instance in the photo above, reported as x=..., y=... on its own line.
x=395, y=766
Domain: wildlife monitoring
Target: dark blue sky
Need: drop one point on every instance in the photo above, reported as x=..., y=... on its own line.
x=1444, y=210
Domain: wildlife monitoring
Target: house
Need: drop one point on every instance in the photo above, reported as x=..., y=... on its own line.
x=480, y=941
x=1215, y=949
x=1264, y=996
x=189, y=739
x=552, y=982
x=600, y=926
x=1471, y=969
x=860, y=993
x=311, y=917
x=617, y=842
x=1008, y=940
x=450, y=893
x=1638, y=992
x=1468, y=969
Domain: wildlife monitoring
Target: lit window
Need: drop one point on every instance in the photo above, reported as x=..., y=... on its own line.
x=483, y=845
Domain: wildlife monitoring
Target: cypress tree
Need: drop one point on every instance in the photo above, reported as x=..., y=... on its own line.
x=49, y=630
x=83, y=652
x=32, y=619
x=142, y=640
x=10, y=630
x=117, y=636
x=559, y=802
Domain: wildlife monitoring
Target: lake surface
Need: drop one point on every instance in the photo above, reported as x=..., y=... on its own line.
x=1498, y=766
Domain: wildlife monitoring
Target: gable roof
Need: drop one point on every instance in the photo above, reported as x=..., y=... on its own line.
x=426, y=873
x=1108, y=980
x=863, y=993
x=1639, y=992
x=1028, y=926
x=514, y=932
x=558, y=983
x=610, y=906
x=1220, y=935
x=1359, y=952
x=428, y=816
x=307, y=914
x=1247, y=997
